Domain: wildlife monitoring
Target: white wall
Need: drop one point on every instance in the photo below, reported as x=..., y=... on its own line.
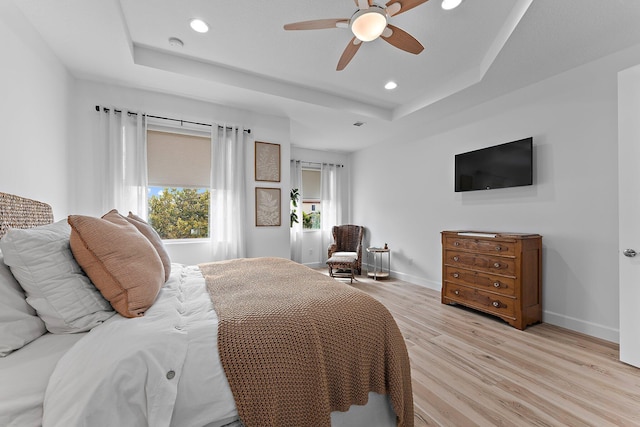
x=314, y=254
x=34, y=114
x=573, y=203
x=261, y=241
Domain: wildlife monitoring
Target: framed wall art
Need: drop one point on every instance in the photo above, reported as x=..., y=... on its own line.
x=267, y=161
x=267, y=207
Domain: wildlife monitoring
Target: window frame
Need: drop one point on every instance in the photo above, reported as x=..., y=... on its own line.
x=312, y=200
x=180, y=131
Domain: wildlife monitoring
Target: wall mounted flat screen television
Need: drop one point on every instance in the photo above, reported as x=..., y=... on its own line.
x=500, y=166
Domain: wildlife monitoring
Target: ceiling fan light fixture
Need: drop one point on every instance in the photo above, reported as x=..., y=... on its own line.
x=368, y=24
x=198, y=25
x=450, y=4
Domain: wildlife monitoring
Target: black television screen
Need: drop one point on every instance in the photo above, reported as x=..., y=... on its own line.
x=500, y=166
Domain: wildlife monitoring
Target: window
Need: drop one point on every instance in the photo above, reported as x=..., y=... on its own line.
x=179, y=170
x=311, y=199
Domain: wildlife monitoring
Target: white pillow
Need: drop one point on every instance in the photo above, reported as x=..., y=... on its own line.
x=63, y=296
x=19, y=324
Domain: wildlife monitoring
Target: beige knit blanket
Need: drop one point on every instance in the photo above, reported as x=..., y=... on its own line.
x=296, y=345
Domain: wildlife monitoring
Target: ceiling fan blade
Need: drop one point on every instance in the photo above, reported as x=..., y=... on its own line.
x=317, y=24
x=396, y=7
x=402, y=40
x=348, y=53
x=363, y=4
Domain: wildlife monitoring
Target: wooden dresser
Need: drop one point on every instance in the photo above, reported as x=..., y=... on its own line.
x=498, y=273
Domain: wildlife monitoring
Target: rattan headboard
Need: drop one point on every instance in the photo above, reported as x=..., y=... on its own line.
x=18, y=212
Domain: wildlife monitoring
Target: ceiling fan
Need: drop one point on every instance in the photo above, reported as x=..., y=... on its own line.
x=368, y=23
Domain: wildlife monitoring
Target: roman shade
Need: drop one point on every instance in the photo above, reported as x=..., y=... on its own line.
x=178, y=160
x=311, y=180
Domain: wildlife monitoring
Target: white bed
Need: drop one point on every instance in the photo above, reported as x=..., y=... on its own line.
x=176, y=334
x=24, y=376
x=160, y=369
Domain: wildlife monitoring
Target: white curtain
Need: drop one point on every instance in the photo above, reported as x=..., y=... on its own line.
x=228, y=194
x=125, y=142
x=330, y=199
x=296, y=228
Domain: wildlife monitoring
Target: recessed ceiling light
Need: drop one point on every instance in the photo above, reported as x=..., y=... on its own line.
x=199, y=25
x=450, y=4
x=390, y=85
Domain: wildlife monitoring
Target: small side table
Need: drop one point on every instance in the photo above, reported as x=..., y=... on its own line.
x=379, y=271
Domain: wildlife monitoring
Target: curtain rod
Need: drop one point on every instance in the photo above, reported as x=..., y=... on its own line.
x=182, y=122
x=317, y=163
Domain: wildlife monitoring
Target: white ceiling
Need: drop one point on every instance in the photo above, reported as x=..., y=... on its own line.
x=478, y=51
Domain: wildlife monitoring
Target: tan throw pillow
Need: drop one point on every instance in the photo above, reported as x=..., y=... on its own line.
x=119, y=260
x=155, y=240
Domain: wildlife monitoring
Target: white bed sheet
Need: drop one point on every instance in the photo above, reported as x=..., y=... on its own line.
x=24, y=375
x=165, y=368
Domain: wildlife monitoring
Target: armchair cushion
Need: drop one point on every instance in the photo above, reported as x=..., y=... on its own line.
x=345, y=254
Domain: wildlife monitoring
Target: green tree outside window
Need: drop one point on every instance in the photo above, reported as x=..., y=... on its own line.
x=180, y=213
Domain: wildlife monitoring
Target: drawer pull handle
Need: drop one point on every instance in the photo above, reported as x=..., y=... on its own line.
x=456, y=244
x=456, y=258
x=496, y=265
x=496, y=284
x=456, y=275
x=498, y=248
x=457, y=292
x=496, y=304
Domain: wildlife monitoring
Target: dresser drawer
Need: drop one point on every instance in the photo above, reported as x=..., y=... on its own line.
x=486, y=263
x=486, y=301
x=499, y=284
x=498, y=273
x=485, y=246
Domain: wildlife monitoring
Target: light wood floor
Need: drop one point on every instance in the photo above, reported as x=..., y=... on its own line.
x=470, y=369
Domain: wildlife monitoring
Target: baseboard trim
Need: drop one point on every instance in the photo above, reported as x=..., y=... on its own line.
x=582, y=326
x=420, y=281
x=561, y=320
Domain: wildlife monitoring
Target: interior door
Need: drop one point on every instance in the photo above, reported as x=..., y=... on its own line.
x=629, y=213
